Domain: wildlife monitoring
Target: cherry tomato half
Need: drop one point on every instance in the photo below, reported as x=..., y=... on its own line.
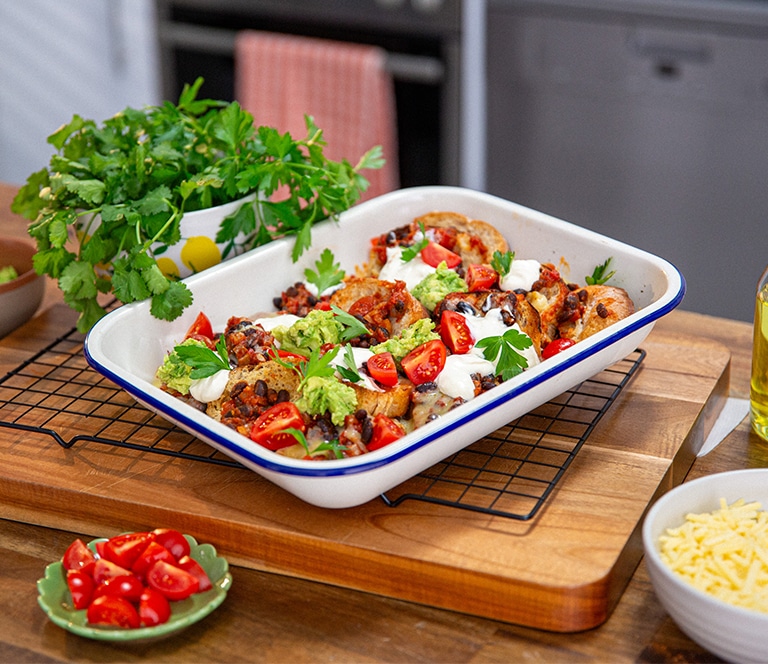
x=128, y=586
x=269, y=428
x=385, y=431
x=383, y=369
x=124, y=549
x=81, y=587
x=173, y=540
x=78, y=556
x=173, y=582
x=201, y=327
x=104, y=569
x=154, y=552
x=154, y=608
x=425, y=362
x=555, y=346
x=434, y=254
x=113, y=611
x=190, y=565
x=481, y=277
x=455, y=333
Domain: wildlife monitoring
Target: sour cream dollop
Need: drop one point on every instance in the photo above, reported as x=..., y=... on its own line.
x=411, y=272
x=361, y=356
x=211, y=388
x=522, y=274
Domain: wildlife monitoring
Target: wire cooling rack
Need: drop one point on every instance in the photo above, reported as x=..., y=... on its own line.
x=509, y=473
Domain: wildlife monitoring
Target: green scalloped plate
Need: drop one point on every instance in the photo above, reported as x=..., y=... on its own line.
x=55, y=600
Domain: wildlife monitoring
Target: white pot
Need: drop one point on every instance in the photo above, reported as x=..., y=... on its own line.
x=197, y=250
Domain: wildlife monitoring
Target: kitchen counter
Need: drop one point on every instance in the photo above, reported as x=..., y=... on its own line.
x=274, y=617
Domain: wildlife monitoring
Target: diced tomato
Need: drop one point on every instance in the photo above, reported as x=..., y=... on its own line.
x=425, y=362
x=173, y=582
x=113, y=611
x=434, y=254
x=383, y=369
x=154, y=608
x=78, y=556
x=124, y=549
x=154, y=552
x=104, y=569
x=189, y=564
x=269, y=428
x=481, y=277
x=173, y=540
x=201, y=327
x=81, y=588
x=286, y=355
x=555, y=346
x=455, y=332
x=385, y=431
x=128, y=586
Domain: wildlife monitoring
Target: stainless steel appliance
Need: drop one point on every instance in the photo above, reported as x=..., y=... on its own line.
x=644, y=120
x=422, y=38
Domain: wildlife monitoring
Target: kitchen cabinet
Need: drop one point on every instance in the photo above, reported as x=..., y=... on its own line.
x=644, y=121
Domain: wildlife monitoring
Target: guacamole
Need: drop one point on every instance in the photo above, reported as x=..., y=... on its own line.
x=411, y=337
x=324, y=393
x=8, y=273
x=432, y=289
x=174, y=372
x=310, y=333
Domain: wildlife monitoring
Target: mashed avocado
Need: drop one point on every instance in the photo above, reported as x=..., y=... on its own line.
x=430, y=290
x=174, y=372
x=8, y=273
x=310, y=333
x=411, y=337
x=321, y=394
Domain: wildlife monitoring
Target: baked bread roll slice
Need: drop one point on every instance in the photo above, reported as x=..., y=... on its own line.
x=602, y=306
x=392, y=402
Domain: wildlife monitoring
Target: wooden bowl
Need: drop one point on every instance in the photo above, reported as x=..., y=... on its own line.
x=21, y=297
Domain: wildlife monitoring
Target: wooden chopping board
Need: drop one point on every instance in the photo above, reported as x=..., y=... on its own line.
x=564, y=570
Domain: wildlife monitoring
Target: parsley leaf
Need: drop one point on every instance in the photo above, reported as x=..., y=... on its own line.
x=409, y=253
x=598, y=275
x=502, y=263
x=328, y=273
x=503, y=350
x=349, y=370
x=353, y=327
x=203, y=360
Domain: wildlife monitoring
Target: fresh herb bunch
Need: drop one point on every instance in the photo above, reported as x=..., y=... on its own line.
x=143, y=169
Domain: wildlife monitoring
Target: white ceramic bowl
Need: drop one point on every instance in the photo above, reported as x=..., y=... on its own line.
x=733, y=633
x=128, y=344
x=21, y=297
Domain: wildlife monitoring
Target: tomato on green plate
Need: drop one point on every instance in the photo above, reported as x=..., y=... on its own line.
x=55, y=599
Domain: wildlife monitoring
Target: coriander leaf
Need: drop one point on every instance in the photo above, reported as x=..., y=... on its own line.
x=598, y=275
x=170, y=304
x=77, y=281
x=503, y=350
x=328, y=273
x=317, y=365
x=409, y=253
x=349, y=371
x=203, y=360
x=502, y=263
x=352, y=326
x=334, y=445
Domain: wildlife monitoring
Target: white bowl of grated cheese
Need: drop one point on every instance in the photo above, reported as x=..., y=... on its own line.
x=706, y=550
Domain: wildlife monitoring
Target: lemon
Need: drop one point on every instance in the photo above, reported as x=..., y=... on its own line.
x=200, y=252
x=168, y=267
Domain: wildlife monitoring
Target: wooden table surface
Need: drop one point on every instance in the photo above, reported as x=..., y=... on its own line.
x=275, y=618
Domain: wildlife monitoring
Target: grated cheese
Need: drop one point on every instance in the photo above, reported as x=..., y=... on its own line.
x=723, y=553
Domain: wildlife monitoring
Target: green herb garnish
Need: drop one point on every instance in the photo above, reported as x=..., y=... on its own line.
x=502, y=263
x=598, y=275
x=327, y=272
x=203, y=360
x=510, y=363
x=352, y=326
x=349, y=370
x=409, y=253
x=141, y=170
x=316, y=365
x=333, y=445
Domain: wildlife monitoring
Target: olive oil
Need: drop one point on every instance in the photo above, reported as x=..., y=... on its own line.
x=759, y=384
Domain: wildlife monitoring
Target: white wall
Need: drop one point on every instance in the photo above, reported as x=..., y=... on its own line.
x=61, y=57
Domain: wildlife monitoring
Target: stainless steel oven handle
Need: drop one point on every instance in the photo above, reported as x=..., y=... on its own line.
x=402, y=66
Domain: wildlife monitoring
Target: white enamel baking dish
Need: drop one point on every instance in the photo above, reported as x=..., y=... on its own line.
x=128, y=344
